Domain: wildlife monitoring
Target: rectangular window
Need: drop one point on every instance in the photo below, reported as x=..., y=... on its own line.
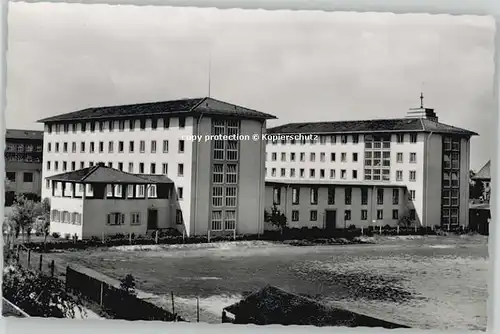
x=331, y=195
x=131, y=124
x=333, y=139
x=181, y=146
x=142, y=146
x=314, y=196
x=292, y=156
x=322, y=156
x=399, y=175
x=180, y=169
x=321, y=173
x=73, y=147
x=355, y=139
x=48, y=168
x=295, y=215
x=273, y=172
x=110, y=147
x=364, y=214
x=230, y=220
x=166, y=122
x=332, y=173
x=395, y=214
x=182, y=122
x=413, y=157
x=178, y=217
x=380, y=214
x=120, y=166
x=101, y=147
x=413, y=138
x=343, y=174
x=218, y=174
x=153, y=146
x=302, y=156
x=164, y=168
x=355, y=157
x=412, y=195
x=92, y=126
x=400, y=138
x=364, y=196
x=57, y=148
x=27, y=177
x=141, y=167
x=217, y=196
x=118, y=190
x=395, y=196
x=231, y=174
x=73, y=165
x=295, y=196
x=165, y=146
x=413, y=175
x=312, y=173
x=283, y=156
x=354, y=174
x=101, y=126
x=313, y=215
x=216, y=222
x=135, y=218
x=152, y=191
x=302, y=172
x=131, y=146
x=152, y=168
x=343, y=157
x=399, y=157
x=292, y=172
x=347, y=215
x=277, y=196
x=380, y=196
x=348, y=196
x=130, y=167
x=116, y=218
x=92, y=147
x=343, y=139
x=121, y=125
x=312, y=157
x=231, y=197
x=111, y=125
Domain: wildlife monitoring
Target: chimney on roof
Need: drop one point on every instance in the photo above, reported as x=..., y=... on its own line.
x=422, y=112
x=101, y=164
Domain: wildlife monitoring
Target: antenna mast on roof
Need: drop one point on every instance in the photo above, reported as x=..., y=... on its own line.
x=422, y=95
x=209, y=70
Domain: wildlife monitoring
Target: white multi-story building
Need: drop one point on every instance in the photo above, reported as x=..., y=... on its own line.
x=219, y=182
x=425, y=161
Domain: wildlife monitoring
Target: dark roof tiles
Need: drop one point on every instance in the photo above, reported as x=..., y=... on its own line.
x=204, y=105
x=484, y=173
x=366, y=126
x=102, y=174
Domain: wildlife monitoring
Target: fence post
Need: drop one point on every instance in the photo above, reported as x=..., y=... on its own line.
x=130, y=238
x=380, y=229
x=40, y=264
x=173, y=307
x=101, y=294
x=156, y=236
x=234, y=234
x=102, y=237
x=197, y=309
x=397, y=229
x=52, y=268
x=208, y=236
x=29, y=258
x=362, y=230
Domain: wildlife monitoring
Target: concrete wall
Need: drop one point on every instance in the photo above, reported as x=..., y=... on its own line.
x=96, y=210
x=251, y=193
x=433, y=162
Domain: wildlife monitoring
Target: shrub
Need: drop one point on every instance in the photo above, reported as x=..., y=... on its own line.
x=56, y=235
x=67, y=236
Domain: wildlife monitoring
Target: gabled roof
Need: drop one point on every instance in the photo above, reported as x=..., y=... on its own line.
x=367, y=126
x=272, y=305
x=103, y=174
x=23, y=134
x=484, y=173
x=204, y=105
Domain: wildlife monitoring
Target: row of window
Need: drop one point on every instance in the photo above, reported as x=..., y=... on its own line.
x=370, y=174
x=371, y=158
x=66, y=217
x=313, y=215
x=112, y=190
x=27, y=177
x=101, y=147
x=141, y=167
x=344, y=139
x=24, y=157
x=110, y=126
x=313, y=196
x=23, y=148
x=118, y=218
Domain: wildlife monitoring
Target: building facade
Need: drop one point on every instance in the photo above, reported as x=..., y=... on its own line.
x=23, y=161
x=203, y=145
x=415, y=155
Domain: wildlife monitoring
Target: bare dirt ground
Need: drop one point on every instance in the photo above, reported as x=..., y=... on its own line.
x=424, y=282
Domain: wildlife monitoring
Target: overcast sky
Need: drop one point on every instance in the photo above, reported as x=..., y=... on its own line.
x=299, y=66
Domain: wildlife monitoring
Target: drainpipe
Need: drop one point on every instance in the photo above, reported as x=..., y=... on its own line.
x=197, y=178
x=260, y=221
x=427, y=144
